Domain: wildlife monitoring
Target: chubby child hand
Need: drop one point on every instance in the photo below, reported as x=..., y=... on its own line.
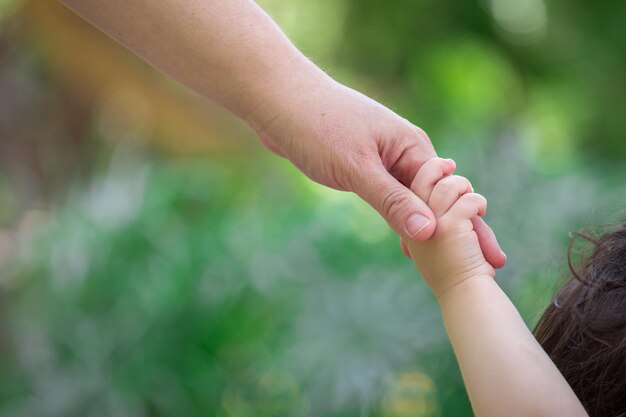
x=453, y=254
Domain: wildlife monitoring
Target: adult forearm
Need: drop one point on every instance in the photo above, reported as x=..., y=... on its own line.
x=233, y=53
x=229, y=51
x=505, y=370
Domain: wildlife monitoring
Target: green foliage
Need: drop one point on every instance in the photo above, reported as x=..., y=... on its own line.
x=168, y=290
x=486, y=63
x=194, y=288
x=235, y=287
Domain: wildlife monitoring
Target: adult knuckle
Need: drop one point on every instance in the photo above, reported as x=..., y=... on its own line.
x=421, y=133
x=394, y=202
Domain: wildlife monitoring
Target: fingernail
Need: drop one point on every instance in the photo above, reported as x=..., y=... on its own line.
x=415, y=224
x=504, y=254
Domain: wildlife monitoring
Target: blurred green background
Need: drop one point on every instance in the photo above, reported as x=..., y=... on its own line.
x=156, y=261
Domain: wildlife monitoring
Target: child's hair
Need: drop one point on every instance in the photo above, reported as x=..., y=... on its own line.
x=584, y=329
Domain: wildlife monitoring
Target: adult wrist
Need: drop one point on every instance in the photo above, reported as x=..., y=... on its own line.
x=283, y=89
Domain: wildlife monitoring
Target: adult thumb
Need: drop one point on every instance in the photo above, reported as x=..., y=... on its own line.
x=405, y=212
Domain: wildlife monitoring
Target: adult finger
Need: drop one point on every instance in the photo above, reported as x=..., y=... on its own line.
x=488, y=243
x=405, y=212
x=409, y=152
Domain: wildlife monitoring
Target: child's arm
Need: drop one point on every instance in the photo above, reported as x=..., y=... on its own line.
x=506, y=371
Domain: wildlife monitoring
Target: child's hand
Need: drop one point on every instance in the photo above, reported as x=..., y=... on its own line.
x=453, y=254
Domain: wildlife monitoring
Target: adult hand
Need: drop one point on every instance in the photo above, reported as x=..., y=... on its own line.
x=232, y=52
x=347, y=141
x=235, y=54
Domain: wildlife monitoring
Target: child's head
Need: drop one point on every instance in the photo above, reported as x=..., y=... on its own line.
x=584, y=329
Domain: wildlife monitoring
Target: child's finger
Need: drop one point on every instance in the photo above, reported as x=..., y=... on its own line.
x=429, y=174
x=468, y=206
x=447, y=192
x=488, y=243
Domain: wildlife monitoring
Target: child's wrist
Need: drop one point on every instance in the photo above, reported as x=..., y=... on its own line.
x=464, y=288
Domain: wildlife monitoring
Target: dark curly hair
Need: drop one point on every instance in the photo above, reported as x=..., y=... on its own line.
x=584, y=329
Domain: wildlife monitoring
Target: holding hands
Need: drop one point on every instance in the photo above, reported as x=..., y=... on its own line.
x=345, y=140
x=505, y=370
x=232, y=52
x=462, y=245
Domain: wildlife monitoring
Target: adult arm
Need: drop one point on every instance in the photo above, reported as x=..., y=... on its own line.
x=233, y=53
